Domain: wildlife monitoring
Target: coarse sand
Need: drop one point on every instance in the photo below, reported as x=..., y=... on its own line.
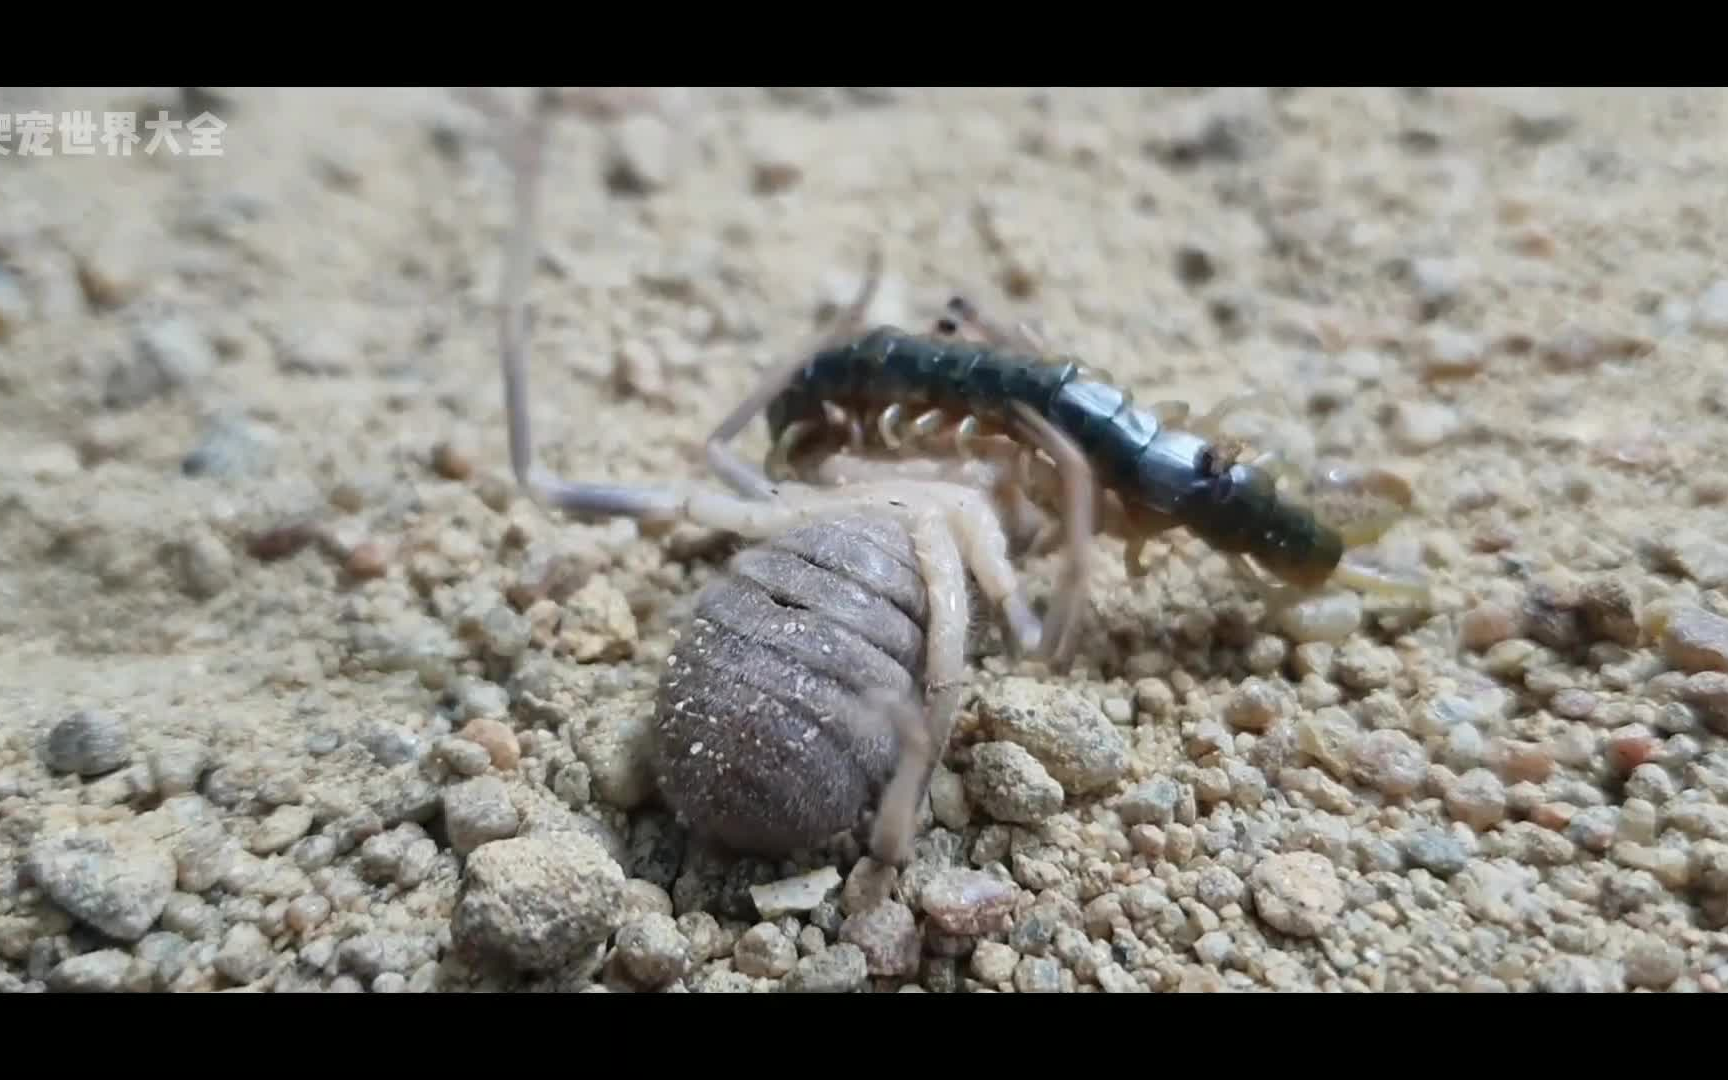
x=299, y=692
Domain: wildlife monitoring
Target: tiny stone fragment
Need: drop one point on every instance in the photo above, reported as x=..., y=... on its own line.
x=478, y=811
x=1327, y=617
x=1421, y=425
x=838, y=969
x=1710, y=314
x=653, y=950
x=285, y=825
x=795, y=894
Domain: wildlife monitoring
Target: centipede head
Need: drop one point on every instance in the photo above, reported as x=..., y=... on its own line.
x=1302, y=537
x=1237, y=508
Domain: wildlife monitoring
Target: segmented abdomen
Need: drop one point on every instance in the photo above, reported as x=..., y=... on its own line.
x=760, y=741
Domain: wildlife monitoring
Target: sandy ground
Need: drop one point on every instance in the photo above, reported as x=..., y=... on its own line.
x=298, y=693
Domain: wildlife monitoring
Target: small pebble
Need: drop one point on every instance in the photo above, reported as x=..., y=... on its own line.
x=838, y=969
x=993, y=963
x=88, y=742
x=478, y=811
x=498, y=739
x=888, y=937
x=1297, y=893
x=764, y=952
x=1478, y=799
x=1631, y=746
x=1418, y=426
x=1439, y=852
x=245, y=954
x=105, y=971
x=969, y=902
x=1485, y=626
x=1038, y=975
x=1389, y=761
x=464, y=757
x=1151, y=801
x=1437, y=283
x=451, y=463
x=1062, y=728
x=538, y=902
x=1254, y=706
x=1696, y=640
x=306, y=913
x=285, y=825
x=1010, y=785
x=368, y=559
x=1651, y=781
x=1451, y=354
x=1610, y=612
x=116, y=879
x=1653, y=964
x=793, y=895
x=653, y=950
x=1327, y=617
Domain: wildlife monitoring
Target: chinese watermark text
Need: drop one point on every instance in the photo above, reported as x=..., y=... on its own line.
x=86, y=133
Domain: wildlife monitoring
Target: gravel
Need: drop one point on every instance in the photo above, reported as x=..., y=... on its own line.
x=315, y=699
x=1065, y=731
x=115, y=880
x=538, y=902
x=1010, y=785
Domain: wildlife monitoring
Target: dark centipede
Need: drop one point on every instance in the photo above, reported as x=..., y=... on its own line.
x=1164, y=476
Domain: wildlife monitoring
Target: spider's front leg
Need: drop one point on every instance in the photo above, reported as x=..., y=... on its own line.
x=740, y=475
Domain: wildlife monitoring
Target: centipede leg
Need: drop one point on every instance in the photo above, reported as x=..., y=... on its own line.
x=733, y=470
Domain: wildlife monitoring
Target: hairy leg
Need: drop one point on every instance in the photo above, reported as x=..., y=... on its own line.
x=739, y=474
x=1080, y=517
x=924, y=733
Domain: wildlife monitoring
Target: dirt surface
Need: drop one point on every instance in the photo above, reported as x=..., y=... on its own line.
x=298, y=692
